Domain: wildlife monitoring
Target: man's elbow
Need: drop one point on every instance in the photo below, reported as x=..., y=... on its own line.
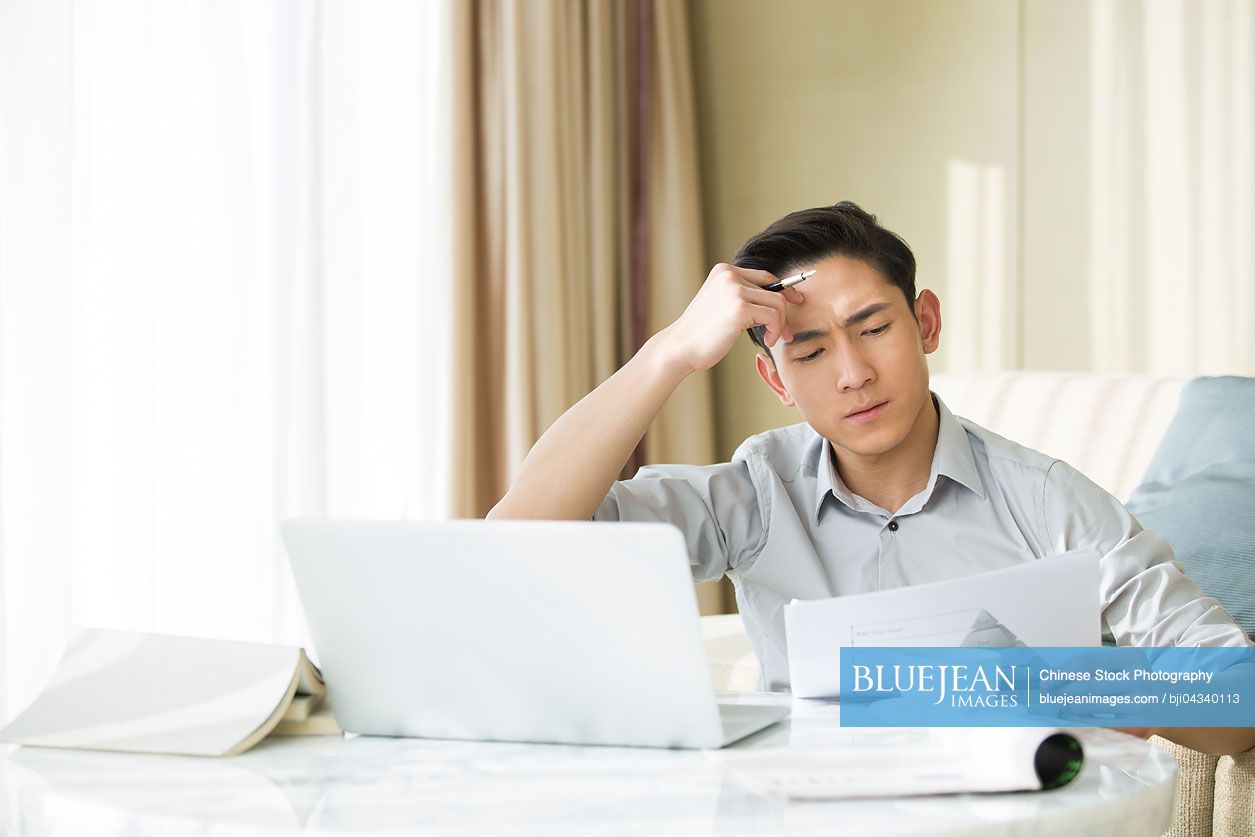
x=500, y=511
x=1236, y=741
x=1215, y=741
x=509, y=508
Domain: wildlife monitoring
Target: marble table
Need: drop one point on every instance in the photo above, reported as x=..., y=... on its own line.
x=364, y=785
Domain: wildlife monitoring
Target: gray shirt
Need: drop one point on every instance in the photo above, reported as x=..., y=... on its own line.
x=781, y=523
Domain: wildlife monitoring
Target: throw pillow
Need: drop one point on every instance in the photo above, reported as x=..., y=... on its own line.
x=1199, y=490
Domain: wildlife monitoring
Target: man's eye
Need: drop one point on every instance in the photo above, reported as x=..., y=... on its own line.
x=811, y=356
x=880, y=330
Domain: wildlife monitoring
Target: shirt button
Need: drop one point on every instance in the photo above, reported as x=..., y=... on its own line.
x=893, y=525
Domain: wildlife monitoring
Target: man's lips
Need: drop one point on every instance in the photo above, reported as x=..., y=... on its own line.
x=868, y=412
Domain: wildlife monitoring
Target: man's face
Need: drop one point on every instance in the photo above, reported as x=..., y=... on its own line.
x=856, y=345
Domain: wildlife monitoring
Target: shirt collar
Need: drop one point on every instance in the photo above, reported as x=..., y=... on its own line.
x=952, y=458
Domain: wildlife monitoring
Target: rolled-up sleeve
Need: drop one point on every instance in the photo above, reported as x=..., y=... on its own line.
x=1147, y=599
x=715, y=506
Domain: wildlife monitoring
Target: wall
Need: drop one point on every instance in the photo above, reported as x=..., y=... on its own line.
x=1074, y=177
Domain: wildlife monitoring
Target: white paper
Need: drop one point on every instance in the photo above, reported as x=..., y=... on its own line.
x=1053, y=601
x=865, y=763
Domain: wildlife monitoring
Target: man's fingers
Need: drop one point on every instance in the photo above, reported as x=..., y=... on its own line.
x=773, y=320
x=761, y=278
x=762, y=296
x=770, y=299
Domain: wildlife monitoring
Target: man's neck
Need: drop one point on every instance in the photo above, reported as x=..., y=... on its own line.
x=895, y=476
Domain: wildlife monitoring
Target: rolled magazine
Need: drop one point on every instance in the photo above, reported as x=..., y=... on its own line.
x=915, y=762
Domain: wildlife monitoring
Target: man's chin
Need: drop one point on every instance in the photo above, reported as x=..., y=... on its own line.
x=871, y=443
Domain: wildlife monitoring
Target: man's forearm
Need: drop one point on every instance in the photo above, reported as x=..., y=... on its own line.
x=569, y=470
x=1218, y=741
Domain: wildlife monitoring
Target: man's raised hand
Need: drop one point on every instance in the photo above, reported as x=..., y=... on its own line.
x=731, y=300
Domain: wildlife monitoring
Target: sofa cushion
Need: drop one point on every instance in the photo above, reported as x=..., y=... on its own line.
x=1105, y=426
x=1199, y=490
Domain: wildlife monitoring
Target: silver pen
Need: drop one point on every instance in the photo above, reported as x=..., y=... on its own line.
x=790, y=281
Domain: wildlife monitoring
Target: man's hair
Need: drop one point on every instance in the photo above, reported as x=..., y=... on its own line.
x=808, y=236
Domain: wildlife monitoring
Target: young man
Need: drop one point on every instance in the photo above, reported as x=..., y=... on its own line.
x=880, y=487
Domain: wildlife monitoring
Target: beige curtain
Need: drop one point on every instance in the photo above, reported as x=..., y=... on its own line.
x=576, y=219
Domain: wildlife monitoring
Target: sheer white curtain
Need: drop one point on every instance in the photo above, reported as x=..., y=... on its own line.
x=1172, y=194
x=220, y=304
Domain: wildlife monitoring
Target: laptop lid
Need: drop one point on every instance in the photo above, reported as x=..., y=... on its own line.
x=544, y=631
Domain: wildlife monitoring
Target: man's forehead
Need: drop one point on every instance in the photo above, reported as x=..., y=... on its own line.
x=845, y=282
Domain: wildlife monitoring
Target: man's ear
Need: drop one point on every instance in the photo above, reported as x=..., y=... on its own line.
x=767, y=371
x=928, y=315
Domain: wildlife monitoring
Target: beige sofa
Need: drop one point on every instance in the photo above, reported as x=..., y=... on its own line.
x=1108, y=427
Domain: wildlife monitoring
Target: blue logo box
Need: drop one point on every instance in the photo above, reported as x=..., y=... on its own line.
x=1070, y=687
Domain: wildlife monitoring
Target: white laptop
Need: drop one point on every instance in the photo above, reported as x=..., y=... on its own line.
x=546, y=631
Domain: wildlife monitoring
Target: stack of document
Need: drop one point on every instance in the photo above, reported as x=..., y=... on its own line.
x=1052, y=601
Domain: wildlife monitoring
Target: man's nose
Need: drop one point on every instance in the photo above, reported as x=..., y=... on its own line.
x=855, y=372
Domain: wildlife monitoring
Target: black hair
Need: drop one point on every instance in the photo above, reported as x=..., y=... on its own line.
x=804, y=238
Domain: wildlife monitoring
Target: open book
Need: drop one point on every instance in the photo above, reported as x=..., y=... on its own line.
x=151, y=693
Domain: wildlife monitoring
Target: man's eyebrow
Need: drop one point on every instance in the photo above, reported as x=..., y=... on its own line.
x=809, y=334
x=864, y=313
x=854, y=319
